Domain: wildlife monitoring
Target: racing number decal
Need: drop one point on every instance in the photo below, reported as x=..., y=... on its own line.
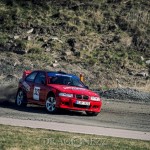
x=36, y=93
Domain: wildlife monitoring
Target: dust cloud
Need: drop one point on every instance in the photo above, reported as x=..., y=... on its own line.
x=7, y=93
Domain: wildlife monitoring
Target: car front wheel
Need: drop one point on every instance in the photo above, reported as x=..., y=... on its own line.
x=51, y=104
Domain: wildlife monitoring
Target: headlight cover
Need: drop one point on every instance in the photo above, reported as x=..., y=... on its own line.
x=93, y=98
x=65, y=95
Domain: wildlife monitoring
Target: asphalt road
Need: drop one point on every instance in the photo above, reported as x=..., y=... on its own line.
x=120, y=115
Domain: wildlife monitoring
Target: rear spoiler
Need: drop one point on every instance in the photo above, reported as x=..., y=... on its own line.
x=25, y=73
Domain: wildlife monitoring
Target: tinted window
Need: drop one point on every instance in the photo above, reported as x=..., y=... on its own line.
x=31, y=77
x=64, y=80
x=40, y=78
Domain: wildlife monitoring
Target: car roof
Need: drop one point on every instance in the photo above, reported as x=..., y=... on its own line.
x=57, y=73
x=60, y=73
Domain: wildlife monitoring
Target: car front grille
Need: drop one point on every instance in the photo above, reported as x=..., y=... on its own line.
x=84, y=97
x=81, y=106
x=79, y=96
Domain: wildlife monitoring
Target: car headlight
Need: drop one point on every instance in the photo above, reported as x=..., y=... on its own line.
x=65, y=95
x=93, y=98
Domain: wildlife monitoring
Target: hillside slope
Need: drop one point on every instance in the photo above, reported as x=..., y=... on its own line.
x=106, y=40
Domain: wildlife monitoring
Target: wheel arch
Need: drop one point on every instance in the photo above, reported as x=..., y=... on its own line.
x=50, y=93
x=20, y=88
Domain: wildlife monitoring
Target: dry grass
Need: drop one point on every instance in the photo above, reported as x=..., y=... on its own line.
x=145, y=88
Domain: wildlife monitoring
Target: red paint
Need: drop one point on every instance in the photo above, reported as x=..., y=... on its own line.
x=61, y=102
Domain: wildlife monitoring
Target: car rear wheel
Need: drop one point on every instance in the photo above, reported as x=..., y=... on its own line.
x=51, y=104
x=89, y=113
x=21, y=99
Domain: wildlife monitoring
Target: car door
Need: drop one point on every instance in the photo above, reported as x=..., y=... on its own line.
x=39, y=90
x=29, y=84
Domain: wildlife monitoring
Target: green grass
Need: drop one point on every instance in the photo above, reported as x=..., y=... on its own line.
x=20, y=138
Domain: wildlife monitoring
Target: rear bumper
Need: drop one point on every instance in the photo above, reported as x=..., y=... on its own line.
x=70, y=103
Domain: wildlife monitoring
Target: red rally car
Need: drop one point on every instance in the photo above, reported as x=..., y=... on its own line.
x=57, y=90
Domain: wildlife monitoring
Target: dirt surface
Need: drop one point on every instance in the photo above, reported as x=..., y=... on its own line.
x=122, y=115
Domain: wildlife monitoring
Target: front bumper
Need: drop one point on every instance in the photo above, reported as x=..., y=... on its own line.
x=70, y=103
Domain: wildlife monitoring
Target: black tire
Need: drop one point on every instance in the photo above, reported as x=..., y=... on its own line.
x=50, y=104
x=89, y=113
x=21, y=99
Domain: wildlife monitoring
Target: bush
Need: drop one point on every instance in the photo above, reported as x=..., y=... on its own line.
x=3, y=41
x=35, y=50
x=21, y=43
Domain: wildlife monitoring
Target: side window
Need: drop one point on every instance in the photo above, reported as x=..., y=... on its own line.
x=40, y=78
x=31, y=77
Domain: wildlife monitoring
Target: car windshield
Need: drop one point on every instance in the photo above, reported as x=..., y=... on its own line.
x=66, y=80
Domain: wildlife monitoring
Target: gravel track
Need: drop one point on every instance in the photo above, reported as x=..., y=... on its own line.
x=113, y=115
x=122, y=114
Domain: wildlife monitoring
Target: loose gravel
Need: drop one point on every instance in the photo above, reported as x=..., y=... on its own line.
x=125, y=94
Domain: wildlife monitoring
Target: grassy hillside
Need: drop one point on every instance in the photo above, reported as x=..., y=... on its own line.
x=107, y=40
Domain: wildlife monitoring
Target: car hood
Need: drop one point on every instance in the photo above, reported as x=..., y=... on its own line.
x=73, y=90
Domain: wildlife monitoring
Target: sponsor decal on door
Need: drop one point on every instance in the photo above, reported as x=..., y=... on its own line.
x=26, y=86
x=36, y=93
